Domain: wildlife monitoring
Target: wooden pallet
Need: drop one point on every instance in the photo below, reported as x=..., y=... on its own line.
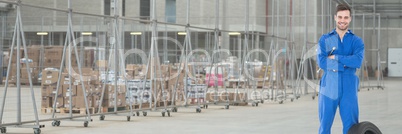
x=22, y=84
x=49, y=110
x=239, y=103
x=92, y=110
x=111, y=109
x=144, y=105
x=78, y=110
x=161, y=103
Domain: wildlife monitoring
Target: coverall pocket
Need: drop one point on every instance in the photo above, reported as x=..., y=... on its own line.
x=330, y=85
x=322, y=80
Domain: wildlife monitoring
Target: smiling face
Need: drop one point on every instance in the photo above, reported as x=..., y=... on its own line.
x=342, y=19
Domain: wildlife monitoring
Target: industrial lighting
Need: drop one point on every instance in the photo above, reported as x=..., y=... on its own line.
x=234, y=33
x=86, y=33
x=135, y=33
x=181, y=33
x=41, y=33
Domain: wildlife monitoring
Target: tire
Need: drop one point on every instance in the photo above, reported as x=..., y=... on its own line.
x=86, y=124
x=37, y=131
x=364, y=128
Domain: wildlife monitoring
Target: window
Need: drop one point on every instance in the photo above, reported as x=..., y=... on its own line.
x=123, y=8
x=170, y=11
x=106, y=7
x=145, y=9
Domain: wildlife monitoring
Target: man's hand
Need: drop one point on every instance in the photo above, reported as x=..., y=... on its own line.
x=331, y=57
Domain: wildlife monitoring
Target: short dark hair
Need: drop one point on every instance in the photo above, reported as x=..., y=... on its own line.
x=342, y=7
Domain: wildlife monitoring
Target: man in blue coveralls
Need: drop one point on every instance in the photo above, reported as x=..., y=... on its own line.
x=339, y=54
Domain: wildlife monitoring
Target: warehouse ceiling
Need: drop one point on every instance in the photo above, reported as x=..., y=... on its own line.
x=389, y=8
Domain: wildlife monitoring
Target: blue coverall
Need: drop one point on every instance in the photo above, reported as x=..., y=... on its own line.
x=339, y=83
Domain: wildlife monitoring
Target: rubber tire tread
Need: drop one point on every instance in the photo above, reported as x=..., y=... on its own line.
x=364, y=128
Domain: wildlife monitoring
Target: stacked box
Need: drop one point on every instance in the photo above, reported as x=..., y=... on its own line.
x=50, y=92
x=77, y=96
x=59, y=102
x=49, y=83
x=121, y=101
x=174, y=74
x=130, y=70
x=80, y=102
x=34, y=53
x=165, y=70
x=109, y=95
x=12, y=74
x=14, y=56
x=102, y=65
x=49, y=77
x=87, y=75
x=78, y=92
x=88, y=89
x=87, y=59
x=33, y=70
x=67, y=102
x=46, y=101
x=53, y=56
x=97, y=100
x=67, y=91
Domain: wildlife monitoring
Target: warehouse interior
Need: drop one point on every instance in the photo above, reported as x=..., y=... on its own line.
x=185, y=66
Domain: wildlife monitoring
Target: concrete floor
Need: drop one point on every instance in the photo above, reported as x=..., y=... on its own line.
x=382, y=107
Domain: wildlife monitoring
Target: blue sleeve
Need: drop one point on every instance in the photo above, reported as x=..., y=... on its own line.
x=322, y=56
x=355, y=60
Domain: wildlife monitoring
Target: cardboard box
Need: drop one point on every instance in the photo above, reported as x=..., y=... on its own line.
x=97, y=90
x=55, y=63
x=96, y=100
x=95, y=78
x=101, y=63
x=67, y=102
x=86, y=59
x=88, y=90
x=110, y=90
x=31, y=65
x=69, y=92
x=59, y=102
x=53, y=52
x=26, y=81
x=14, y=56
x=49, y=77
x=120, y=101
x=44, y=91
x=52, y=56
x=75, y=75
x=65, y=79
x=34, y=52
x=131, y=67
x=51, y=89
x=46, y=102
x=172, y=79
x=80, y=102
x=13, y=71
x=33, y=70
